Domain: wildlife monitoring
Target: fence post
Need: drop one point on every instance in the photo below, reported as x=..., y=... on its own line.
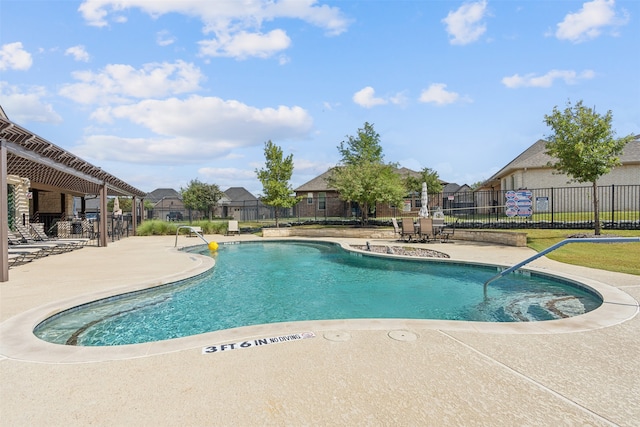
x=552, y=205
x=613, y=200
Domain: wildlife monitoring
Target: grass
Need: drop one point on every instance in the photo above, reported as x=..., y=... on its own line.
x=617, y=257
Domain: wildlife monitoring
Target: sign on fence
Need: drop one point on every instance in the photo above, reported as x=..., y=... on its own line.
x=519, y=203
x=542, y=204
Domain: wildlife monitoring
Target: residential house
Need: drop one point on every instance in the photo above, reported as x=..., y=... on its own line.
x=456, y=199
x=168, y=205
x=530, y=170
x=238, y=203
x=320, y=200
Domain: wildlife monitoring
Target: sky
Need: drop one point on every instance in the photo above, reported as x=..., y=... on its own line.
x=160, y=93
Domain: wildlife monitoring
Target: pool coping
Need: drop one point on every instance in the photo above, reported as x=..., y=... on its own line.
x=19, y=342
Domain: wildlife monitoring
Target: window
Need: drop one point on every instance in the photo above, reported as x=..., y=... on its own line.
x=309, y=198
x=322, y=201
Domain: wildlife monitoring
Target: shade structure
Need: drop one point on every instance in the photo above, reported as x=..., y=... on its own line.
x=424, y=199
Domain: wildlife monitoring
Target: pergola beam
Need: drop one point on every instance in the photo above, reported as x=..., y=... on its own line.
x=50, y=167
x=4, y=220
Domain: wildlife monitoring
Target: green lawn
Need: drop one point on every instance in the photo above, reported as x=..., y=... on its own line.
x=618, y=257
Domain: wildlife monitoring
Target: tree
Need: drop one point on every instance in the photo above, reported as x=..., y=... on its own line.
x=125, y=204
x=201, y=197
x=583, y=146
x=362, y=176
x=275, y=179
x=477, y=185
x=414, y=183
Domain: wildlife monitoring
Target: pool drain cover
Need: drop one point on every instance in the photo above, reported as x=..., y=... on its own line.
x=403, y=336
x=337, y=336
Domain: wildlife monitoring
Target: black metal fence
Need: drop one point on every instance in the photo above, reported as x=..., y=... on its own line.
x=57, y=225
x=566, y=207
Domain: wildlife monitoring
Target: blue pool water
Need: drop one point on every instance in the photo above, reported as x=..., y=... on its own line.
x=268, y=282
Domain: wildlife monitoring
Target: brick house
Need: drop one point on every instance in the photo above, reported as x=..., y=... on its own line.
x=238, y=203
x=166, y=202
x=319, y=199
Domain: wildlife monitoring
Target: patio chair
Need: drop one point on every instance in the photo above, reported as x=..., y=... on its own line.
x=396, y=228
x=232, y=228
x=438, y=225
x=426, y=229
x=447, y=232
x=408, y=229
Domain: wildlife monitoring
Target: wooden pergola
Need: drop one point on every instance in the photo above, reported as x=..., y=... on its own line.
x=51, y=168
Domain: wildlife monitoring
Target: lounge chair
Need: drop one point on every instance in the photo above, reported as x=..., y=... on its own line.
x=232, y=228
x=23, y=252
x=426, y=229
x=23, y=255
x=16, y=258
x=408, y=229
x=26, y=240
x=75, y=243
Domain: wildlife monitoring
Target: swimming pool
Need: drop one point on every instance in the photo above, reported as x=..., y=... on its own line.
x=266, y=282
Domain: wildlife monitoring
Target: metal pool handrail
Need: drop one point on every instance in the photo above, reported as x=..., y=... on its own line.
x=556, y=246
x=193, y=230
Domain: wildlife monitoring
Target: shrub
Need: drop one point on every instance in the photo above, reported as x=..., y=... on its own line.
x=156, y=227
x=163, y=228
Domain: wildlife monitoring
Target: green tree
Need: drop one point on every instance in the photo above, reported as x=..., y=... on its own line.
x=201, y=197
x=125, y=204
x=477, y=185
x=584, y=146
x=362, y=176
x=414, y=183
x=275, y=179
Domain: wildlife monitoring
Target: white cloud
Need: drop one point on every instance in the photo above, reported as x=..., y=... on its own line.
x=164, y=38
x=465, y=24
x=398, y=99
x=236, y=25
x=14, y=57
x=195, y=128
x=437, y=93
x=305, y=166
x=366, y=98
x=242, y=45
x=117, y=83
x=78, y=52
x=546, y=80
x=589, y=22
x=26, y=107
x=228, y=174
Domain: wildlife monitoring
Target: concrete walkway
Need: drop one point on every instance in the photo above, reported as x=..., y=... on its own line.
x=579, y=371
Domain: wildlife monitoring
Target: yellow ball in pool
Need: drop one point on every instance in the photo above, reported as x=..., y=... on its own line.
x=213, y=246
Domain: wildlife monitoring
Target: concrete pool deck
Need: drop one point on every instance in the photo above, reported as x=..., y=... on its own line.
x=580, y=371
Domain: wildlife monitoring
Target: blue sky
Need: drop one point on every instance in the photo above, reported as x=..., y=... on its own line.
x=162, y=92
